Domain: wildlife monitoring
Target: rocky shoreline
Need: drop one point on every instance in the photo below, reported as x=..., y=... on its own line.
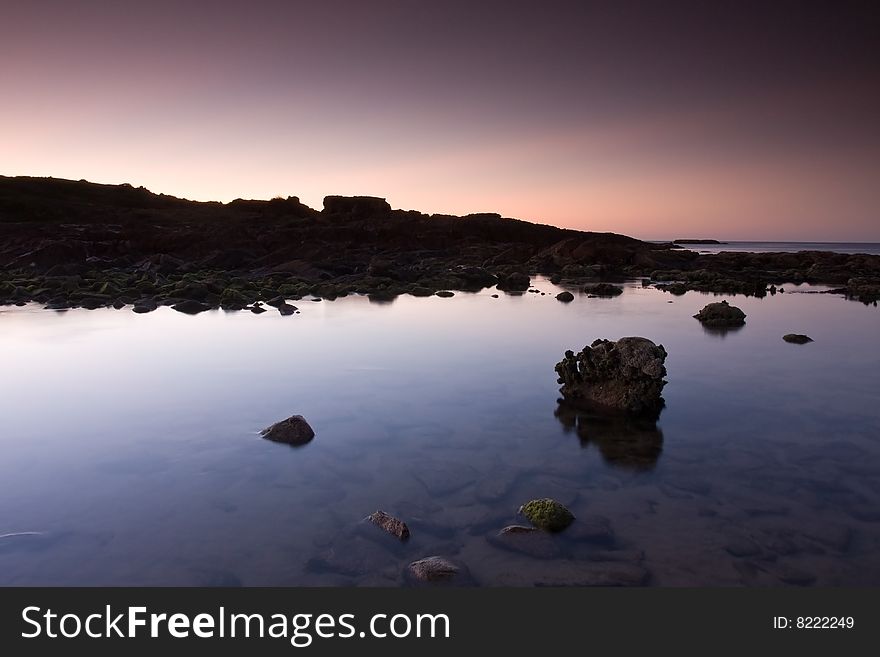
x=67, y=244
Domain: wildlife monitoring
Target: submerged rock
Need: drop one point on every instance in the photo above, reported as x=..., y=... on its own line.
x=565, y=297
x=547, y=514
x=627, y=375
x=292, y=431
x=390, y=524
x=720, y=315
x=526, y=540
x=603, y=290
x=433, y=569
x=797, y=338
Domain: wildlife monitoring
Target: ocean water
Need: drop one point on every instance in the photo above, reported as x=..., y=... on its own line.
x=131, y=453
x=872, y=248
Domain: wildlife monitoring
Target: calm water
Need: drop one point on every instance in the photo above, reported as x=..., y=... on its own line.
x=789, y=247
x=130, y=442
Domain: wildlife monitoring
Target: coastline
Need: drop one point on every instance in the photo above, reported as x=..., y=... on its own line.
x=73, y=244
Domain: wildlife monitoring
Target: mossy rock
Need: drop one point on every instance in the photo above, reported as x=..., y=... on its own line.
x=547, y=514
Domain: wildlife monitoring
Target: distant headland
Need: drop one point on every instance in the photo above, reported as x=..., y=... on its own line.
x=70, y=243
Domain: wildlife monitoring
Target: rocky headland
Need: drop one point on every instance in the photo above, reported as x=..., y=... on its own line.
x=78, y=244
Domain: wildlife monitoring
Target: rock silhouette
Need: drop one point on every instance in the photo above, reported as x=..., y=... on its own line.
x=627, y=376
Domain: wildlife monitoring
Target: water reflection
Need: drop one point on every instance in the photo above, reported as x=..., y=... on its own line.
x=721, y=331
x=633, y=443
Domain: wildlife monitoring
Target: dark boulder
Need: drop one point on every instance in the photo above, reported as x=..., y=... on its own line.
x=565, y=297
x=515, y=282
x=286, y=309
x=797, y=338
x=292, y=431
x=190, y=307
x=721, y=315
x=627, y=375
x=603, y=290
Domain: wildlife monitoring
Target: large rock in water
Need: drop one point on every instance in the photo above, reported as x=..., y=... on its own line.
x=626, y=375
x=720, y=315
x=293, y=431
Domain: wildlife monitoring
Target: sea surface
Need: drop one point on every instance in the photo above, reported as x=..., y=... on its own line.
x=872, y=248
x=131, y=452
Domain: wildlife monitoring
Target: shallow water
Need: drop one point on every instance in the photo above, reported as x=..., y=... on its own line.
x=130, y=442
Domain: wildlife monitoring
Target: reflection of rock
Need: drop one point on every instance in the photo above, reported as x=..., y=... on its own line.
x=293, y=431
x=721, y=331
x=797, y=338
x=626, y=375
x=721, y=314
x=624, y=441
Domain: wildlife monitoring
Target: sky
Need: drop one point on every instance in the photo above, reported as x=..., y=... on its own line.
x=661, y=120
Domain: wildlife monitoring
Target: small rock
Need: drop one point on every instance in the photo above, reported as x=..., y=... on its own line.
x=547, y=514
x=292, y=431
x=797, y=338
x=144, y=306
x=286, y=309
x=526, y=540
x=257, y=309
x=190, y=307
x=433, y=569
x=565, y=297
x=603, y=290
x=445, y=294
x=390, y=524
x=721, y=315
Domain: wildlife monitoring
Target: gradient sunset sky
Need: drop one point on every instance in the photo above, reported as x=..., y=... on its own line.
x=732, y=120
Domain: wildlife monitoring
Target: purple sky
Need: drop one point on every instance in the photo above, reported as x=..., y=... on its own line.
x=718, y=119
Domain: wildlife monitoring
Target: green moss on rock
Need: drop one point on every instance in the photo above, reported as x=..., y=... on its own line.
x=547, y=514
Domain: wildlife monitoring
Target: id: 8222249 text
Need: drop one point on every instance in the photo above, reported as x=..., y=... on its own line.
x=814, y=623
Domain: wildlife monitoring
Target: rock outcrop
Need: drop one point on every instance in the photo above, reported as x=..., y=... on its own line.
x=627, y=375
x=292, y=431
x=721, y=315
